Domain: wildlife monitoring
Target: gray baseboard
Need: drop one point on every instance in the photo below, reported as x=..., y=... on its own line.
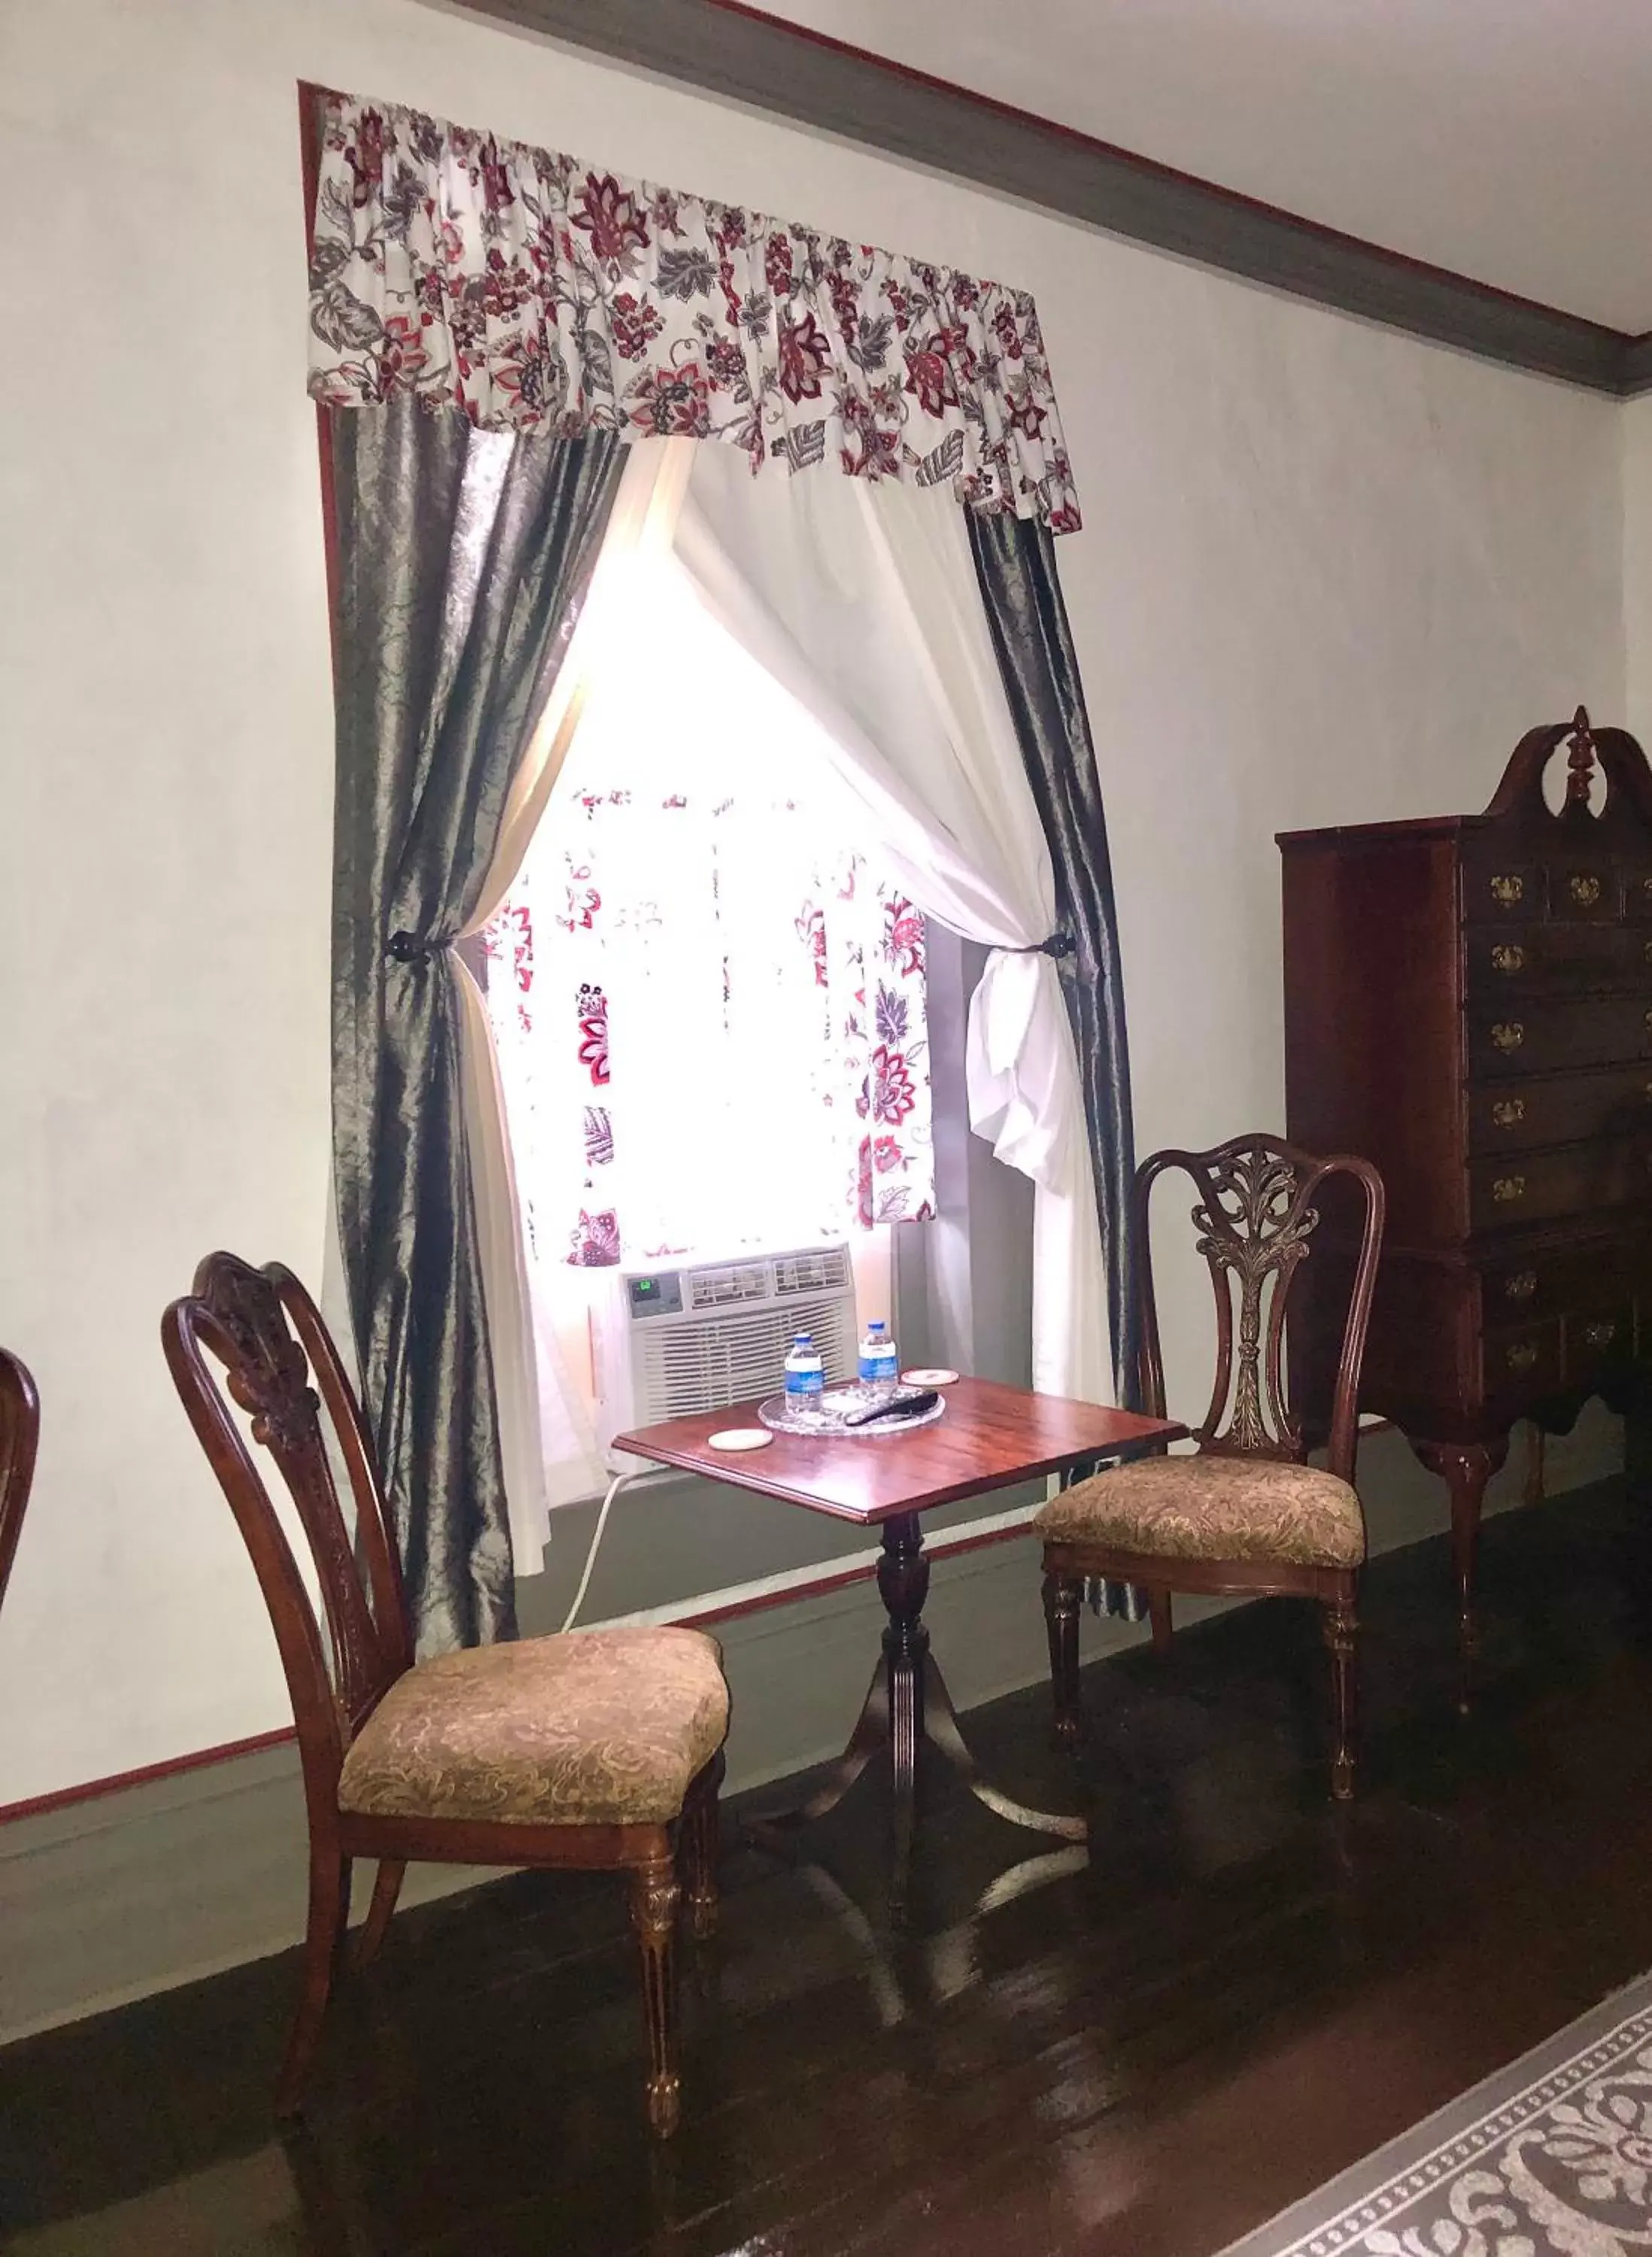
x=164, y=1883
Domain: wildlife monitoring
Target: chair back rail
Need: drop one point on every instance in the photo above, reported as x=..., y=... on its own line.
x=20, y=1439
x=276, y=1360
x=1255, y=1214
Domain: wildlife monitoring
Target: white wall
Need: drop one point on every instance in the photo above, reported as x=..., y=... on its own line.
x=1635, y=418
x=1328, y=574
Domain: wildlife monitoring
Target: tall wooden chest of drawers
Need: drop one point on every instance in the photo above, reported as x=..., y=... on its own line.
x=1468, y=1003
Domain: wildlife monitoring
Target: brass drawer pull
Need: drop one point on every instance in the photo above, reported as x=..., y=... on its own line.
x=1647, y=1023
x=1507, y=891
x=1646, y=888
x=1599, y=1336
x=1646, y=950
x=1522, y=1285
x=1507, y=1189
x=1508, y=1112
x=1586, y=892
x=1521, y=1357
x=1508, y=1034
x=1506, y=957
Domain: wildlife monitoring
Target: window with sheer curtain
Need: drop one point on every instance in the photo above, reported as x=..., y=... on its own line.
x=707, y=1003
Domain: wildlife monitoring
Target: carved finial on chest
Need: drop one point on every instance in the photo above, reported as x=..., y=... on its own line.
x=1580, y=759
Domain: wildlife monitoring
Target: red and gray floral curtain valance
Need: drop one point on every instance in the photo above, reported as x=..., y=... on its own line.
x=537, y=294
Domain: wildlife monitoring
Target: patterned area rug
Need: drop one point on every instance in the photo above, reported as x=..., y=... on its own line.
x=1551, y=2157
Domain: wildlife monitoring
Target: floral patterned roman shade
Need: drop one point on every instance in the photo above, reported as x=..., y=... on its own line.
x=540, y=294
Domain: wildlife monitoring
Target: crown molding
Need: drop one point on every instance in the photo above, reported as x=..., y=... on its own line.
x=742, y=55
x=1634, y=372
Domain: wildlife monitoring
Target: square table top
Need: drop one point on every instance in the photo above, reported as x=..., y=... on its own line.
x=991, y=1435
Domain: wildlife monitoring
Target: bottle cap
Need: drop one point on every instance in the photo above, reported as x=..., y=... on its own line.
x=877, y=1326
x=803, y=1340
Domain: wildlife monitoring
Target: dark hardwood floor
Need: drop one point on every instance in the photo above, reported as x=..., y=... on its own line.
x=1141, y=2051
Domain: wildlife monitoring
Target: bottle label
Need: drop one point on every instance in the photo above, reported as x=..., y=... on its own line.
x=879, y=1366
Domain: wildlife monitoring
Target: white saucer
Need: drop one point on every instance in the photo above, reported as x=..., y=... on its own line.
x=937, y=1378
x=740, y=1438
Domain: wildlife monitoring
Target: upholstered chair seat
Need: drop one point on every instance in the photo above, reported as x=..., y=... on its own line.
x=596, y=1727
x=1211, y=1507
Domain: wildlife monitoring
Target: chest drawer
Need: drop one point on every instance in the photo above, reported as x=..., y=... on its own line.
x=1498, y=890
x=1561, y=1109
x=1520, y=959
x=1585, y=890
x=1637, y=894
x=1545, y=1186
x=1541, y=1035
x=1594, y=1336
x=1546, y=1355
x=1522, y=1360
x=1551, y=1281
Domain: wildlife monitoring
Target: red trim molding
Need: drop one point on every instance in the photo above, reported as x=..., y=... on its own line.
x=91, y=1790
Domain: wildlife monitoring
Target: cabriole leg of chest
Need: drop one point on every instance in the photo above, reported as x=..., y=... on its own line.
x=1464, y=1468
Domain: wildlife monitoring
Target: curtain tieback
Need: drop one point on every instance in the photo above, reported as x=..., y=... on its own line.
x=1059, y=943
x=408, y=948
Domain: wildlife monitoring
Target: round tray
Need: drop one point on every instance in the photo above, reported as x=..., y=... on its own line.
x=776, y=1413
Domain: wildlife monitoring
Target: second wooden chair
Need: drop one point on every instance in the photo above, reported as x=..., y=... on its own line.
x=1246, y=1515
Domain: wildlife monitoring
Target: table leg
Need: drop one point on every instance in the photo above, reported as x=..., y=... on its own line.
x=903, y=1585
x=908, y=1703
x=942, y=1729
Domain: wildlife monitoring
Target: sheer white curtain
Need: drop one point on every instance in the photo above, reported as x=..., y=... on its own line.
x=546, y=1438
x=862, y=600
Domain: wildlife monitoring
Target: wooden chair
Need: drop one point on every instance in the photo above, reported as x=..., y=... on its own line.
x=1246, y=1515
x=19, y=1435
x=601, y=1750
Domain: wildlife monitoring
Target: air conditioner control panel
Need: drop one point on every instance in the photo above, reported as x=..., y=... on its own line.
x=660, y=1295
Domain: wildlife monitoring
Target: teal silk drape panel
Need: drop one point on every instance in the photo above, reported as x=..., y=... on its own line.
x=1015, y=563
x=461, y=558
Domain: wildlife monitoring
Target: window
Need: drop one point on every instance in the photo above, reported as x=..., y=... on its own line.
x=708, y=1005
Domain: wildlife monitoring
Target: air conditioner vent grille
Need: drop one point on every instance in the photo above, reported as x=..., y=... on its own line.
x=826, y=1271
x=722, y=1359
x=720, y=1289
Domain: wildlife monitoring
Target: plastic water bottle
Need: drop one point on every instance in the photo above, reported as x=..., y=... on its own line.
x=880, y=1364
x=805, y=1374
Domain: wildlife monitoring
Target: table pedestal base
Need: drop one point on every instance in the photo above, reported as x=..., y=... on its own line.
x=908, y=1707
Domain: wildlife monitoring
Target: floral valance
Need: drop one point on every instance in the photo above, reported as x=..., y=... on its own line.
x=539, y=293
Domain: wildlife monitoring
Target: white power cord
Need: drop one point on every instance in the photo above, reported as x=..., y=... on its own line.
x=614, y=1488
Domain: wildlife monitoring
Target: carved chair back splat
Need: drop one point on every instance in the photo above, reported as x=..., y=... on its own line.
x=267, y=1334
x=19, y=1437
x=1255, y=1214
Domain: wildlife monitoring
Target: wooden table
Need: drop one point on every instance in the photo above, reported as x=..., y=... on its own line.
x=991, y=1435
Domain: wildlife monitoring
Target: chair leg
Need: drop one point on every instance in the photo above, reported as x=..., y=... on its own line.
x=386, y=1889
x=700, y=1854
x=1062, y=1596
x=654, y=1897
x=329, y=1916
x=1159, y=1614
x=1340, y=1630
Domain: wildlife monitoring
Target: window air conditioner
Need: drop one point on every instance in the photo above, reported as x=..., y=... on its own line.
x=668, y=1343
